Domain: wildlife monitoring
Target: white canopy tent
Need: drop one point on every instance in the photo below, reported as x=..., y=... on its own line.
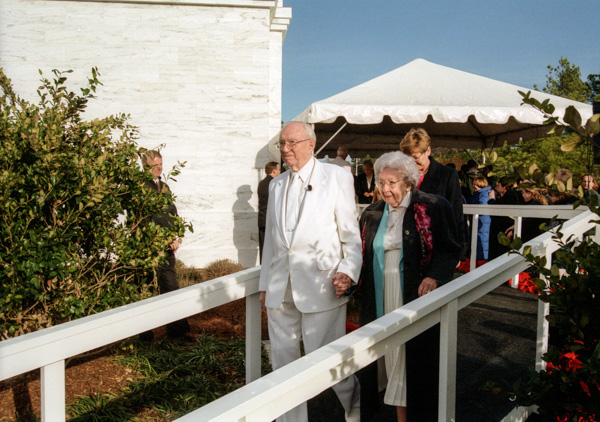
x=458, y=110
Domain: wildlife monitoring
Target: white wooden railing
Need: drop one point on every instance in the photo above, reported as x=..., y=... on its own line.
x=263, y=399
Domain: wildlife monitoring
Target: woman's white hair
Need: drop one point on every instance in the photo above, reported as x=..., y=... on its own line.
x=401, y=163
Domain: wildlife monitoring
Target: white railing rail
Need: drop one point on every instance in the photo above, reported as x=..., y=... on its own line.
x=49, y=348
x=267, y=397
x=533, y=211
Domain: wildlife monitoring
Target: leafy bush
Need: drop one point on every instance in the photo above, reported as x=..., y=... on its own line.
x=77, y=238
x=569, y=388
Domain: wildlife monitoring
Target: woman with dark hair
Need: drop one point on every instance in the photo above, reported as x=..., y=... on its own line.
x=531, y=226
x=410, y=247
x=505, y=194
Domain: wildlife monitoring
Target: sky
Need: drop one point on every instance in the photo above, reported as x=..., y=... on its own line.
x=331, y=46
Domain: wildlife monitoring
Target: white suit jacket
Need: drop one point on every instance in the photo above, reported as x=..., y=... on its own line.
x=326, y=241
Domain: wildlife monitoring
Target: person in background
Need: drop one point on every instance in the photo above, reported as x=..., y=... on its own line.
x=531, y=226
x=311, y=258
x=271, y=171
x=470, y=171
x=563, y=175
x=340, y=159
x=505, y=194
x=165, y=273
x=434, y=177
x=410, y=249
x=481, y=195
x=590, y=189
x=488, y=172
x=364, y=184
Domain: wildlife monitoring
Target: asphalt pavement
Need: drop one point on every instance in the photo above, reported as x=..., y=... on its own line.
x=496, y=341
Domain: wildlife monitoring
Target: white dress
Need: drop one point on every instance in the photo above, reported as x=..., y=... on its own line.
x=395, y=361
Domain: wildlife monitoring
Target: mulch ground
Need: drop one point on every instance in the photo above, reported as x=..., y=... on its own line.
x=98, y=373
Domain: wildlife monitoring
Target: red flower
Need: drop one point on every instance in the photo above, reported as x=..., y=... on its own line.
x=423, y=222
x=572, y=362
x=585, y=388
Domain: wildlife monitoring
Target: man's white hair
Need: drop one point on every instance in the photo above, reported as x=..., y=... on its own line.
x=309, y=130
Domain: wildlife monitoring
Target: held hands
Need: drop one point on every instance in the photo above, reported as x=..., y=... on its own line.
x=427, y=285
x=342, y=283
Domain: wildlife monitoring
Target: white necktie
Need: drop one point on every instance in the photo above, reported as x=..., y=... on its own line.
x=293, y=195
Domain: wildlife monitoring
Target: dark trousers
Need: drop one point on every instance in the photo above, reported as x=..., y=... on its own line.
x=261, y=241
x=167, y=282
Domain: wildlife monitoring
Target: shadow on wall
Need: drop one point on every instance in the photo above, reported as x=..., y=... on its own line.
x=245, y=228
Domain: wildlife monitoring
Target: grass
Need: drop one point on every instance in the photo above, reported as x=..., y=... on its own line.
x=176, y=378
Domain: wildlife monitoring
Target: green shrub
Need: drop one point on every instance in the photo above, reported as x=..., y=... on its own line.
x=569, y=388
x=75, y=229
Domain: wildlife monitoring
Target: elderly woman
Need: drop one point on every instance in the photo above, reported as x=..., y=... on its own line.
x=410, y=248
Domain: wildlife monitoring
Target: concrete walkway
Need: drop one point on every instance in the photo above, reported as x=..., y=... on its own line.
x=496, y=341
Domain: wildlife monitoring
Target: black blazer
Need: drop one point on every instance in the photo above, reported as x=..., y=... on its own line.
x=263, y=200
x=360, y=187
x=422, y=352
x=164, y=218
x=500, y=223
x=444, y=257
x=443, y=181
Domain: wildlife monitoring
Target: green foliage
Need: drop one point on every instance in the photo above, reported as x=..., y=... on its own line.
x=565, y=81
x=76, y=229
x=593, y=83
x=569, y=388
x=545, y=153
x=173, y=380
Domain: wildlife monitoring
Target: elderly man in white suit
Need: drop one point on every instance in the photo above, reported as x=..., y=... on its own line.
x=312, y=255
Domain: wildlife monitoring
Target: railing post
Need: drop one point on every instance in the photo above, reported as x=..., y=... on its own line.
x=52, y=383
x=448, y=350
x=517, y=233
x=253, y=337
x=474, y=227
x=543, y=326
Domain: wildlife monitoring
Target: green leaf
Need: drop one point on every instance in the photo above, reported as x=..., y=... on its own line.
x=571, y=144
x=572, y=117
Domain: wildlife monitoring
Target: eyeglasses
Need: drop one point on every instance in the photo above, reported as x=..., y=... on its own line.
x=391, y=183
x=290, y=144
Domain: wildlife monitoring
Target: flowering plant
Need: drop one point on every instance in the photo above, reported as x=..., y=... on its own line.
x=569, y=388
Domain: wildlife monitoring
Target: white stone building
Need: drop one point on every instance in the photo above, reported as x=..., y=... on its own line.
x=201, y=77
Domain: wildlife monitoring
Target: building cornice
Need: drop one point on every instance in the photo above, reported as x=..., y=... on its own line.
x=280, y=16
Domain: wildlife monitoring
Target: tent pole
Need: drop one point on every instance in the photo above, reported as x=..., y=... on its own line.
x=329, y=140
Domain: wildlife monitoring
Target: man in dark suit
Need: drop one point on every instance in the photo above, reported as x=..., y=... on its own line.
x=365, y=184
x=434, y=177
x=165, y=274
x=271, y=171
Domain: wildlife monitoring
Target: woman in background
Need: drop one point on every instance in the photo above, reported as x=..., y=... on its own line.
x=505, y=194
